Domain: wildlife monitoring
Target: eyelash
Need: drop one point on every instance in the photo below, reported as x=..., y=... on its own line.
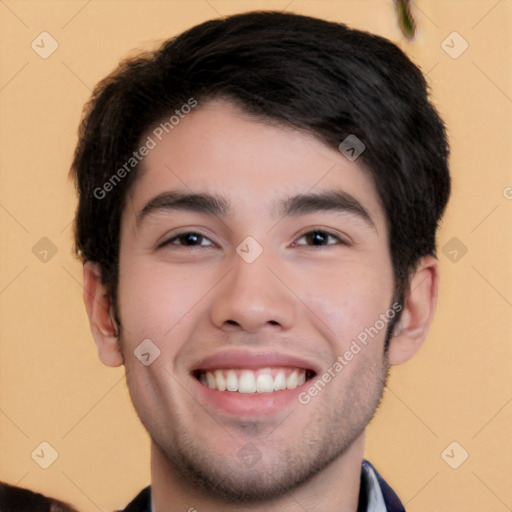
x=323, y=232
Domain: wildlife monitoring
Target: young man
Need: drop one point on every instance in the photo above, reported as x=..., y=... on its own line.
x=258, y=204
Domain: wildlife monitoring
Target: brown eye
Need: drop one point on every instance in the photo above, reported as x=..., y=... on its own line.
x=188, y=239
x=319, y=238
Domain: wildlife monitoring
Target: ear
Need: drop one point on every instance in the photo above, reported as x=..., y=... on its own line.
x=418, y=312
x=99, y=309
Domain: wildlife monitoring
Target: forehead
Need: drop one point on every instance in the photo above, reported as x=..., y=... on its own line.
x=219, y=149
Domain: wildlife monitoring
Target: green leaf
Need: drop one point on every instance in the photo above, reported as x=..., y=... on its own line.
x=404, y=18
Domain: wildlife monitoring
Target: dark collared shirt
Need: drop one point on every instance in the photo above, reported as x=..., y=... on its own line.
x=375, y=495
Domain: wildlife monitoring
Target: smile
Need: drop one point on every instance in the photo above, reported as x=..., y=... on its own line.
x=263, y=380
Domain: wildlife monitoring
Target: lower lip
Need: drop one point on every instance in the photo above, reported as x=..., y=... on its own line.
x=248, y=404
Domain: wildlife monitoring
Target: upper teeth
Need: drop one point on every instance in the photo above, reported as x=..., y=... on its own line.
x=264, y=380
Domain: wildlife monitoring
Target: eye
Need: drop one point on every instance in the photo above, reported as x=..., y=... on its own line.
x=188, y=239
x=319, y=238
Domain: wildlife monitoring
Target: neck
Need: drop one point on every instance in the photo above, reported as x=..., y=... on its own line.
x=335, y=488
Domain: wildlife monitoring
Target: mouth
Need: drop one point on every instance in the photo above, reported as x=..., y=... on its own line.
x=250, y=385
x=253, y=380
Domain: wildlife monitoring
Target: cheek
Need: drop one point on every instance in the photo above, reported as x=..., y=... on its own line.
x=350, y=300
x=153, y=301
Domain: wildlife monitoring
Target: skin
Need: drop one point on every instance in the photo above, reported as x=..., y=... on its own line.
x=296, y=298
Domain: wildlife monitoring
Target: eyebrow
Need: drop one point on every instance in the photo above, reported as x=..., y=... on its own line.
x=215, y=205
x=331, y=200
x=181, y=201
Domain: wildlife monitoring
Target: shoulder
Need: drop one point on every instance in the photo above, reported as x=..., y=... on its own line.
x=141, y=503
x=378, y=490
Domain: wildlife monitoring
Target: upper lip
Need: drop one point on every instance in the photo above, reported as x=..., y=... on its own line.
x=244, y=359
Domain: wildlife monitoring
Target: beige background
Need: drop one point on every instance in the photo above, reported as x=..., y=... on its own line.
x=54, y=389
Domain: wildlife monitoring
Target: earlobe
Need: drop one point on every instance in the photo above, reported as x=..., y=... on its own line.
x=418, y=312
x=99, y=309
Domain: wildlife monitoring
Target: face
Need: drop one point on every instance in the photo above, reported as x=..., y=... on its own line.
x=253, y=258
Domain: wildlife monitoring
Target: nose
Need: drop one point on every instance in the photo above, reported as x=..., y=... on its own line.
x=252, y=298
